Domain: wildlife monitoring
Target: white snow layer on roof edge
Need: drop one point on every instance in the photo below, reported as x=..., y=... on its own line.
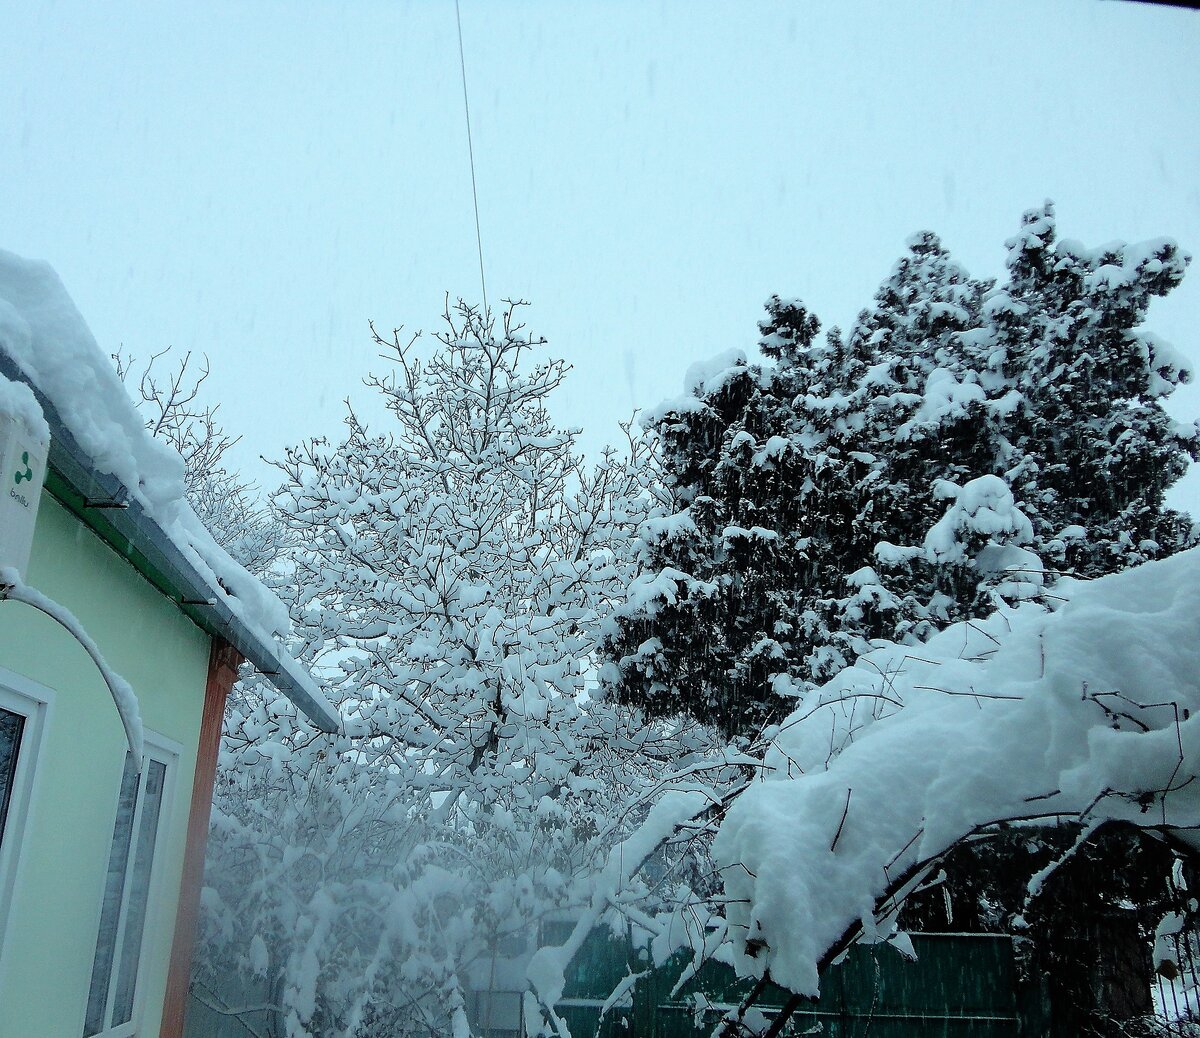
x=17, y=399
x=1083, y=710
x=48, y=339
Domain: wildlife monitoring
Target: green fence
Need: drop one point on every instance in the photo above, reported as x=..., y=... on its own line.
x=960, y=986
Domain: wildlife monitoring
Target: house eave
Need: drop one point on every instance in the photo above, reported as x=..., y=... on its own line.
x=103, y=504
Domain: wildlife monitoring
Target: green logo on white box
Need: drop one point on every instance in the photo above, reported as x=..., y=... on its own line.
x=28, y=473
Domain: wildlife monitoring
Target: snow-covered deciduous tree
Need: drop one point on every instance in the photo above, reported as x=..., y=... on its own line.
x=454, y=574
x=961, y=447
x=449, y=583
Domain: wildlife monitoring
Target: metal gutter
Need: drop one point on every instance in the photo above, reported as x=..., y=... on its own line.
x=101, y=502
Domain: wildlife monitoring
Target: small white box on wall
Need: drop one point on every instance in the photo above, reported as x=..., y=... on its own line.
x=23, y=456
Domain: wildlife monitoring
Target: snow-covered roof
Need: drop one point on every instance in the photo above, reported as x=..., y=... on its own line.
x=107, y=468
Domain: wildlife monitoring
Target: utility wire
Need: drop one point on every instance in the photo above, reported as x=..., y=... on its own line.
x=462, y=61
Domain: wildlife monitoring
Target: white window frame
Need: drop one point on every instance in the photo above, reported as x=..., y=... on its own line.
x=167, y=753
x=32, y=701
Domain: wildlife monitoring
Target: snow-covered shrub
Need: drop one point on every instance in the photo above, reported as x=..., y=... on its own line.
x=1089, y=712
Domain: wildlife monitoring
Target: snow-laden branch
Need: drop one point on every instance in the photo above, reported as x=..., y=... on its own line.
x=1087, y=712
x=547, y=969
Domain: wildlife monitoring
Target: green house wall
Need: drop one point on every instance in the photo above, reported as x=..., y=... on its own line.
x=49, y=942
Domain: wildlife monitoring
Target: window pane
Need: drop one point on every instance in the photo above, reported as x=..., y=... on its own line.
x=11, y=727
x=139, y=892
x=110, y=915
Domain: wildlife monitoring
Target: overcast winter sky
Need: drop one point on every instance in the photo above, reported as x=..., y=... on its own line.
x=255, y=180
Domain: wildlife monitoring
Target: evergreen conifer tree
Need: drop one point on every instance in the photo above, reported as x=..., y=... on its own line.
x=965, y=444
